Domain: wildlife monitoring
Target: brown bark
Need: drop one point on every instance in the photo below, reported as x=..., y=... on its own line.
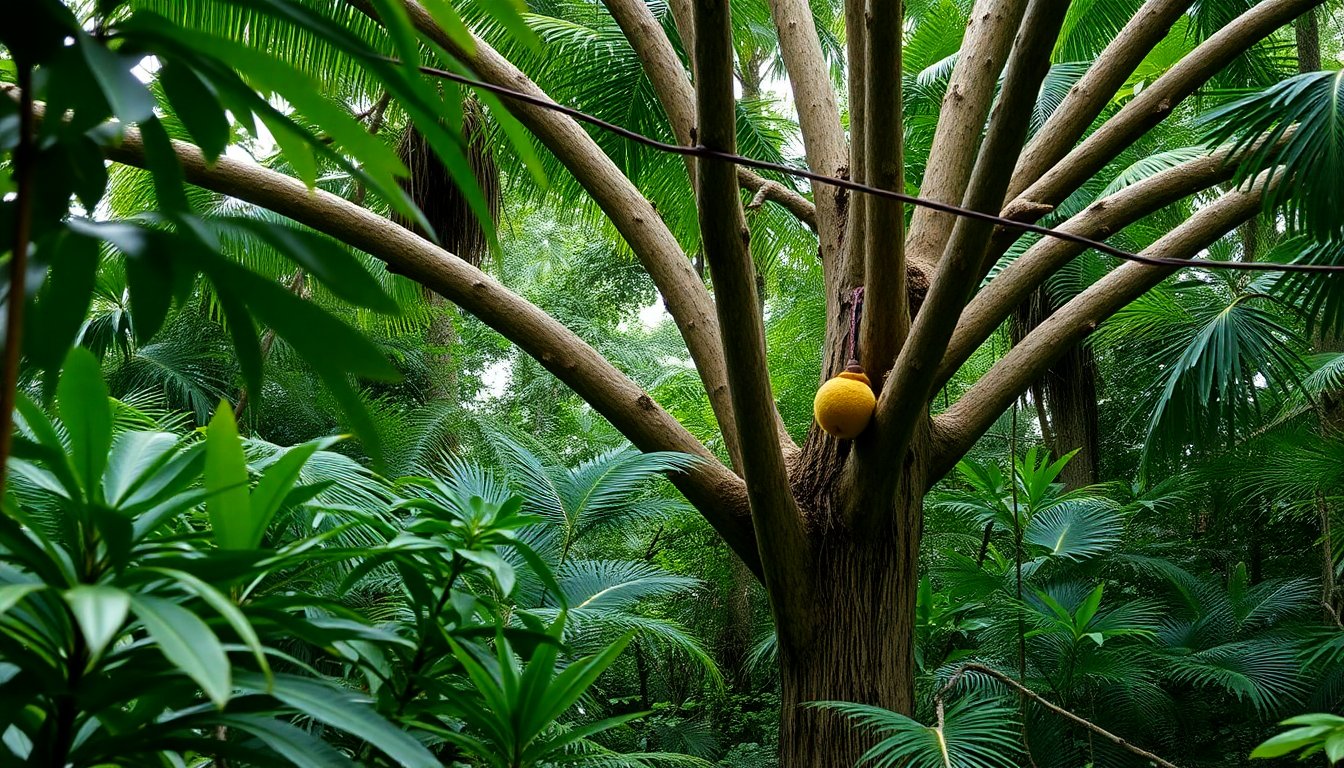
x=669, y=80
x=1071, y=392
x=634, y=217
x=723, y=230
x=886, y=317
x=957, y=429
x=1065, y=397
x=916, y=368
x=996, y=301
x=989, y=37
x=1307, y=31
x=860, y=649
x=1153, y=105
x=715, y=490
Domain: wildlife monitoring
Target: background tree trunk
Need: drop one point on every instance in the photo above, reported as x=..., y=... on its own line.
x=1069, y=391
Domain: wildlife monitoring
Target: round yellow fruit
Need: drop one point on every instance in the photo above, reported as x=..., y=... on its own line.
x=844, y=405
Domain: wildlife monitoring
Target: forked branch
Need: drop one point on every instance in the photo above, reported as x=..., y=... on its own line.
x=710, y=485
x=1153, y=104
x=664, y=70
x=687, y=299
x=1090, y=95
x=818, y=110
x=996, y=301
x=957, y=429
x=990, y=30
x=901, y=406
x=781, y=540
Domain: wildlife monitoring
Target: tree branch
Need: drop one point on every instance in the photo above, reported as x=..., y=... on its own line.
x=1153, y=104
x=958, y=428
x=1090, y=95
x=780, y=538
x=710, y=485
x=1036, y=697
x=995, y=302
x=674, y=91
x=903, y=404
x=818, y=111
x=886, y=317
x=990, y=30
x=687, y=299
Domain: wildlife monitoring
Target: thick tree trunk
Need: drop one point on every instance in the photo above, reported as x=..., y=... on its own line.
x=859, y=645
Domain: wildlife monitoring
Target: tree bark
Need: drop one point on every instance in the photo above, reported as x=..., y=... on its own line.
x=1071, y=396
x=860, y=649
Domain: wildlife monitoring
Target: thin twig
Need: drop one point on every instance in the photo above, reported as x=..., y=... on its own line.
x=1036, y=697
x=18, y=267
x=844, y=183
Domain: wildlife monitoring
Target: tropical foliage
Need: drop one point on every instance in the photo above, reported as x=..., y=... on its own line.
x=271, y=500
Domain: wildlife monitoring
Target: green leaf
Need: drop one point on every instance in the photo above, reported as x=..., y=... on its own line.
x=226, y=608
x=63, y=302
x=188, y=643
x=198, y=107
x=294, y=744
x=81, y=400
x=11, y=594
x=327, y=260
x=496, y=565
x=228, y=505
x=345, y=711
x=100, y=612
x=1083, y=616
x=166, y=169
x=129, y=98
x=276, y=483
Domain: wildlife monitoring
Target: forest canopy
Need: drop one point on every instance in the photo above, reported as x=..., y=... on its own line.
x=736, y=383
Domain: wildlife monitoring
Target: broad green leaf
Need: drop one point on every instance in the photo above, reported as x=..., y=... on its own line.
x=328, y=261
x=275, y=484
x=129, y=98
x=226, y=608
x=188, y=643
x=345, y=711
x=11, y=594
x=133, y=456
x=63, y=301
x=1083, y=616
x=228, y=506
x=100, y=611
x=81, y=400
x=293, y=744
x=166, y=169
x=196, y=105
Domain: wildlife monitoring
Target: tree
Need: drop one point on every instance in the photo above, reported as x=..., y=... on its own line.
x=833, y=528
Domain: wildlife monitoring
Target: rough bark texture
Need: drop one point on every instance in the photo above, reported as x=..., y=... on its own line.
x=860, y=647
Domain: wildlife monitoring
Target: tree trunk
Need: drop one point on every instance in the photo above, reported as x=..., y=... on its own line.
x=1069, y=388
x=1071, y=393
x=858, y=646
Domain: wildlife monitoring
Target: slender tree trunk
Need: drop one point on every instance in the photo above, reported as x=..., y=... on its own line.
x=1308, y=32
x=1071, y=392
x=739, y=626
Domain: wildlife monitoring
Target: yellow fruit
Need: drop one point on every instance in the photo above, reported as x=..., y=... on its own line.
x=844, y=405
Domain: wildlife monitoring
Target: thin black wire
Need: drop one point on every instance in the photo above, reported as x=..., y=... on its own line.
x=956, y=210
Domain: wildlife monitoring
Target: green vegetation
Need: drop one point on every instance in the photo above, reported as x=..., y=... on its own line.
x=356, y=415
